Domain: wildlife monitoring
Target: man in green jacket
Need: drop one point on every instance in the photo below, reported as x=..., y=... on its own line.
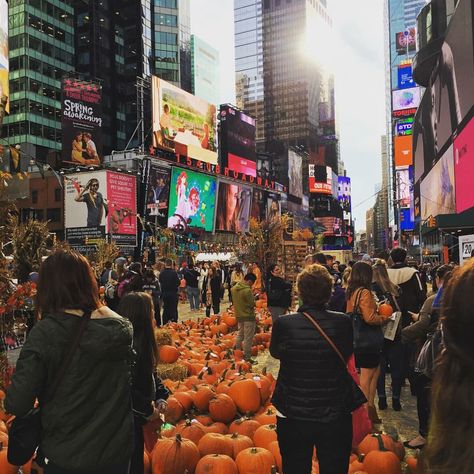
x=244, y=308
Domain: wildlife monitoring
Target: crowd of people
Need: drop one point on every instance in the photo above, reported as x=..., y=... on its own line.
x=371, y=315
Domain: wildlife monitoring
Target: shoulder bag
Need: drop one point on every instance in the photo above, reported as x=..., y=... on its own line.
x=354, y=396
x=24, y=436
x=368, y=338
x=427, y=358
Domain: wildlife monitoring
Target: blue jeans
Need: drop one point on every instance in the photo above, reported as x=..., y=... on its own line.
x=193, y=297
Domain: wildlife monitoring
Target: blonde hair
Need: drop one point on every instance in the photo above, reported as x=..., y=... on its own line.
x=380, y=276
x=314, y=285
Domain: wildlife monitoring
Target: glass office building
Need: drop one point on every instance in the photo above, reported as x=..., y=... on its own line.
x=205, y=70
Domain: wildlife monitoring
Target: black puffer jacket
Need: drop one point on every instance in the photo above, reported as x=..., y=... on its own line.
x=89, y=423
x=312, y=381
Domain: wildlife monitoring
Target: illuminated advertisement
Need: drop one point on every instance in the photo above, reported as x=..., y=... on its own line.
x=464, y=167
x=158, y=194
x=344, y=192
x=406, y=98
x=237, y=141
x=81, y=122
x=403, y=151
x=99, y=203
x=183, y=123
x=295, y=174
x=234, y=204
x=406, y=222
x=404, y=126
x=406, y=41
x=320, y=179
x=438, y=188
x=404, y=113
x=259, y=204
x=4, y=68
x=404, y=179
x=192, y=200
x=273, y=206
x=405, y=77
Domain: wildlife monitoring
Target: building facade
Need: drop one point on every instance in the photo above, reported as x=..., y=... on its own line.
x=205, y=70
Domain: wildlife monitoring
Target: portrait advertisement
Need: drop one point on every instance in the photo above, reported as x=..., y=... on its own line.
x=234, y=206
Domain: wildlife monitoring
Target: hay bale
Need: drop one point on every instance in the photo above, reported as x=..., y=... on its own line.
x=163, y=337
x=174, y=371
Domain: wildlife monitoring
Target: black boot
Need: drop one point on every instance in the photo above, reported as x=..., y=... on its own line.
x=396, y=404
x=382, y=403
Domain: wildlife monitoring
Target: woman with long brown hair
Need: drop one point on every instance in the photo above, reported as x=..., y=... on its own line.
x=361, y=299
x=87, y=424
x=449, y=449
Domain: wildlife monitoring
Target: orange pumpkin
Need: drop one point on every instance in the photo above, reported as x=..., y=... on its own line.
x=371, y=443
x=382, y=461
x=254, y=461
x=217, y=427
x=5, y=466
x=274, y=448
x=222, y=408
x=216, y=464
x=246, y=396
x=146, y=463
x=174, y=456
x=268, y=417
x=202, y=398
x=174, y=411
x=192, y=430
x=244, y=426
x=215, y=443
x=185, y=398
x=168, y=354
x=264, y=436
x=385, y=309
x=239, y=443
x=412, y=464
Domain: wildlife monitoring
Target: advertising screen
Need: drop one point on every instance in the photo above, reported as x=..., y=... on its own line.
x=192, y=200
x=183, y=123
x=158, y=194
x=438, y=188
x=464, y=167
x=99, y=203
x=320, y=179
x=403, y=151
x=273, y=206
x=4, y=90
x=259, y=204
x=404, y=126
x=406, y=222
x=405, y=77
x=81, y=122
x=234, y=205
x=406, y=98
x=295, y=174
x=406, y=41
x=344, y=193
x=404, y=186
x=237, y=140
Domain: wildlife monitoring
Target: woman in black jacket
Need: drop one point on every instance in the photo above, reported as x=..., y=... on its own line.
x=211, y=289
x=312, y=393
x=278, y=292
x=148, y=394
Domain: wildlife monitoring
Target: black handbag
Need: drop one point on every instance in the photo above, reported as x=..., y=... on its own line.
x=368, y=338
x=354, y=397
x=24, y=435
x=427, y=358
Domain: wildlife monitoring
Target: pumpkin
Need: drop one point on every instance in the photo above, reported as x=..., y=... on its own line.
x=3, y=438
x=215, y=443
x=192, y=430
x=168, y=354
x=217, y=427
x=185, y=398
x=205, y=420
x=174, y=410
x=174, y=456
x=5, y=466
x=264, y=436
x=382, y=461
x=274, y=448
x=202, y=398
x=146, y=463
x=244, y=426
x=246, y=396
x=222, y=408
x=385, y=309
x=412, y=464
x=216, y=464
x=371, y=443
x=254, y=461
x=356, y=466
x=239, y=443
x=268, y=417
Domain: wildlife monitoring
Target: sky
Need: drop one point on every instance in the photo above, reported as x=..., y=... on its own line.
x=357, y=49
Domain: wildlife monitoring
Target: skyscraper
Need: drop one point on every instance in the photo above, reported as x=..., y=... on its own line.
x=205, y=70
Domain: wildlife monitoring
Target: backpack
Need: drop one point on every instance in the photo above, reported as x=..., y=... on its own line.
x=110, y=289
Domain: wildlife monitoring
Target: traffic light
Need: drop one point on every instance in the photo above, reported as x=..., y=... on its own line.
x=432, y=222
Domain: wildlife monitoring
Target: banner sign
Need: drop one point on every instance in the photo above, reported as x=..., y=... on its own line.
x=466, y=246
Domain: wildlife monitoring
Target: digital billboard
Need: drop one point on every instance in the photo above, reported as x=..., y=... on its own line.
x=158, y=194
x=464, y=167
x=404, y=126
x=406, y=98
x=406, y=41
x=405, y=77
x=183, y=123
x=273, y=206
x=205, y=70
x=234, y=205
x=81, y=122
x=237, y=141
x=406, y=221
x=344, y=193
x=4, y=68
x=192, y=200
x=438, y=188
x=320, y=179
x=295, y=174
x=403, y=147
x=99, y=203
x=404, y=177
x=259, y=204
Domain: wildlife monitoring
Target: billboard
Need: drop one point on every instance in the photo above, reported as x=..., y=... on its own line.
x=403, y=147
x=205, y=68
x=344, y=192
x=406, y=221
x=405, y=77
x=404, y=126
x=437, y=189
x=259, y=204
x=192, y=200
x=81, y=122
x=404, y=177
x=320, y=179
x=466, y=246
x=234, y=205
x=295, y=174
x=4, y=68
x=183, y=123
x=464, y=167
x=158, y=194
x=237, y=141
x=100, y=203
x=405, y=41
x=273, y=206
x=406, y=98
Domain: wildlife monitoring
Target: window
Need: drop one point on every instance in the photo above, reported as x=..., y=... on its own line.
x=166, y=3
x=39, y=214
x=166, y=38
x=53, y=215
x=34, y=196
x=166, y=20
